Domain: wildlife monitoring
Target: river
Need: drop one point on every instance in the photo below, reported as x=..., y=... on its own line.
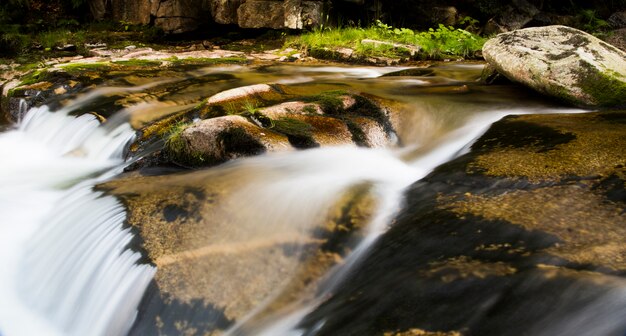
x=68, y=266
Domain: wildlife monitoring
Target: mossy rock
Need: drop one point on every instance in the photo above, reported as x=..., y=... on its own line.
x=234, y=124
x=562, y=62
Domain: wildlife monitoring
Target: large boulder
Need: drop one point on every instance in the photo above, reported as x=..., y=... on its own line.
x=562, y=62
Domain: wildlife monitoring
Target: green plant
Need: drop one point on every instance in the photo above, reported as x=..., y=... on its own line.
x=435, y=43
x=449, y=41
x=590, y=22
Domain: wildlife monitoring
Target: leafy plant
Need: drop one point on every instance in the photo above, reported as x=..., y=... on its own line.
x=435, y=43
x=590, y=21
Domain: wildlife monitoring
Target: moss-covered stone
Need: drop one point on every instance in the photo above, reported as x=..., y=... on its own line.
x=563, y=62
x=608, y=88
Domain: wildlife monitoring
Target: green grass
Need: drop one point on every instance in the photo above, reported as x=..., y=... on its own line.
x=42, y=40
x=80, y=67
x=206, y=61
x=436, y=43
x=138, y=63
x=35, y=76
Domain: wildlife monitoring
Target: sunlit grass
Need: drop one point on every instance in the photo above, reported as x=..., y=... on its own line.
x=435, y=43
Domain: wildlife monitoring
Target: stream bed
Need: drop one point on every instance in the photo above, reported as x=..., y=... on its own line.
x=435, y=233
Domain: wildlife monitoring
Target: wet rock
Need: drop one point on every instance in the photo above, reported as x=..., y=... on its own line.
x=67, y=47
x=217, y=261
x=562, y=62
x=491, y=76
x=513, y=16
x=618, y=20
x=216, y=140
x=240, y=92
x=526, y=248
x=417, y=72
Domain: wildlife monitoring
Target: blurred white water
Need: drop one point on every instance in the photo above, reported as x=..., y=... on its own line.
x=65, y=270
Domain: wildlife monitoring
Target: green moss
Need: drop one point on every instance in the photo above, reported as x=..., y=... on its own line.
x=309, y=109
x=138, y=63
x=237, y=141
x=74, y=68
x=178, y=151
x=299, y=133
x=206, y=61
x=330, y=101
x=358, y=136
x=605, y=88
x=34, y=77
x=29, y=66
x=293, y=127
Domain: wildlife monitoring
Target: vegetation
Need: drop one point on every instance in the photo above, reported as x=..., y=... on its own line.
x=590, y=22
x=177, y=148
x=436, y=43
x=206, y=61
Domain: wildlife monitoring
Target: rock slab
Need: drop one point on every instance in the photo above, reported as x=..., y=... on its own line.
x=562, y=62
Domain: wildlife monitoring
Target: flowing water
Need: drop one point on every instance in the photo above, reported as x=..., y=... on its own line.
x=65, y=247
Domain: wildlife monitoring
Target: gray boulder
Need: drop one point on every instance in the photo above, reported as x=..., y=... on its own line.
x=562, y=62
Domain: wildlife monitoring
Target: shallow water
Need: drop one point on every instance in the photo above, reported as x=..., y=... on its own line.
x=69, y=264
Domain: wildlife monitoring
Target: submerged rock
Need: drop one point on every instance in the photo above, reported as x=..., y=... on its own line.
x=562, y=62
x=522, y=236
x=218, y=261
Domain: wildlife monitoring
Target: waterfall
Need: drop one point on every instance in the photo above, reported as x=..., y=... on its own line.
x=66, y=268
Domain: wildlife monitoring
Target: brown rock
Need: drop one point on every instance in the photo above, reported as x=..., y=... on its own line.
x=225, y=138
x=134, y=12
x=225, y=11
x=177, y=16
x=261, y=14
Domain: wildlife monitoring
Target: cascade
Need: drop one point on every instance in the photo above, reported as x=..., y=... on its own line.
x=67, y=270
